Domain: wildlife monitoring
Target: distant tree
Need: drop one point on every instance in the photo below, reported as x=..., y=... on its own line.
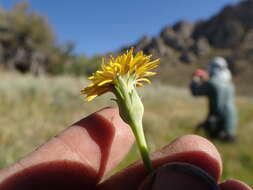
x=28, y=44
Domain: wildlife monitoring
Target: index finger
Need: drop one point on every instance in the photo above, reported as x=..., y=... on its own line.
x=79, y=156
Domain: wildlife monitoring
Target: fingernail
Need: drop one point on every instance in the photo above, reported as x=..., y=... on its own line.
x=179, y=176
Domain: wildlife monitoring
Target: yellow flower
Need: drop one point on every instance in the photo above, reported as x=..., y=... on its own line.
x=135, y=67
x=121, y=75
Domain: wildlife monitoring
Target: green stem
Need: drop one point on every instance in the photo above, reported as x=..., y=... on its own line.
x=131, y=111
x=141, y=143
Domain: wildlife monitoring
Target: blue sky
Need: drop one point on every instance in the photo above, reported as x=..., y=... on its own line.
x=99, y=26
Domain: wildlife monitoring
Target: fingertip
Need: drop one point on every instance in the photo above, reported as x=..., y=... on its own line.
x=233, y=184
x=105, y=135
x=123, y=137
x=192, y=149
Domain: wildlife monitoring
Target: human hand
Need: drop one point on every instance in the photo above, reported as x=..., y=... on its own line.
x=200, y=75
x=82, y=155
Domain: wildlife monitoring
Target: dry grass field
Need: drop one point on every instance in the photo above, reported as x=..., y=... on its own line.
x=32, y=110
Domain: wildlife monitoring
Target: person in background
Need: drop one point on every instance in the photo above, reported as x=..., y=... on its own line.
x=217, y=86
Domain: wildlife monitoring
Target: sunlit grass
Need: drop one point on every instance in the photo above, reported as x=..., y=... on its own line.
x=32, y=110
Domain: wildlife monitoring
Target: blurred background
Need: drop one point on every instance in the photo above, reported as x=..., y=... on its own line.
x=48, y=48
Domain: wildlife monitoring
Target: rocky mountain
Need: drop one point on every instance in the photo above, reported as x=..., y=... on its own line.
x=185, y=46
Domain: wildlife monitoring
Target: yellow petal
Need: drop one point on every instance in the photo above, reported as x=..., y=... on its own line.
x=91, y=77
x=148, y=74
x=104, y=82
x=139, y=85
x=90, y=85
x=90, y=98
x=143, y=80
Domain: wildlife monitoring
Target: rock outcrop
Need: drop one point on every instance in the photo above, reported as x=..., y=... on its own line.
x=228, y=33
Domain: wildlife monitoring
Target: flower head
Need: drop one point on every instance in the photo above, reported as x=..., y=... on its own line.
x=127, y=66
x=121, y=75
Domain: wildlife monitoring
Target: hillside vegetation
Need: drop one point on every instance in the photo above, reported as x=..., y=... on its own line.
x=35, y=109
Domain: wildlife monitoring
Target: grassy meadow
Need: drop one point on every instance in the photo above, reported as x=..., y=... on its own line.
x=32, y=110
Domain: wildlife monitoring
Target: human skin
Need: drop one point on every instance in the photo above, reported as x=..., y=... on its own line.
x=82, y=155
